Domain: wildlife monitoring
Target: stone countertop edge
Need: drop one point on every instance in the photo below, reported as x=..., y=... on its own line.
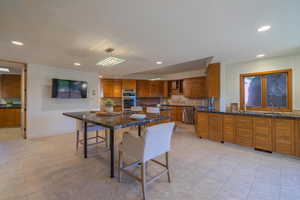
x=256, y=114
x=10, y=106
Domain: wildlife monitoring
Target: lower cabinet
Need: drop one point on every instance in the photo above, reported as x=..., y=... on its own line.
x=228, y=128
x=202, y=125
x=283, y=131
x=297, y=138
x=215, y=127
x=176, y=113
x=244, y=131
x=262, y=131
x=10, y=117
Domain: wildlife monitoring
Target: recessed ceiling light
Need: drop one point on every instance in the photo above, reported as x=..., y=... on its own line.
x=100, y=76
x=154, y=79
x=4, y=69
x=264, y=28
x=17, y=43
x=77, y=64
x=110, y=61
x=159, y=62
x=260, y=55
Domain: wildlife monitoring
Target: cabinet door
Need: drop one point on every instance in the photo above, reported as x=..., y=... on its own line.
x=165, y=89
x=194, y=87
x=156, y=88
x=213, y=80
x=10, y=86
x=297, y=132
x=107, y=87
x=117, y=88
x=143, y=88
x=129, y=84
x=284, y=136
x=262, y=131
x=179, y=113
x=228, y=128
x=244, y=131
x=173, y=113
x=215, y=127
x=202, y=124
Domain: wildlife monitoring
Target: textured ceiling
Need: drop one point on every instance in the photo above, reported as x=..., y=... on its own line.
x=61, y=32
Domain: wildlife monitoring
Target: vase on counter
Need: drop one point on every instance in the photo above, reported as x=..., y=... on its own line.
x=109, y=109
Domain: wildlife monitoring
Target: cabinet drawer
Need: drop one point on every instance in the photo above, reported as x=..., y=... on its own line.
x=244, y=122
x=244, y=137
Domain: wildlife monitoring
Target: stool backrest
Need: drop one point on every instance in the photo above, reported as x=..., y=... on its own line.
x=157, y=140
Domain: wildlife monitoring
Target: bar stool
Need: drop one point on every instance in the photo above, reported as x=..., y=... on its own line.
x=98, y=139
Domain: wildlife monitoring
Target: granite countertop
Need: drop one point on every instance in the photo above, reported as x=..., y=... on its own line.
x=285, y=115
x=179, y=105
x=10, y=106
x=113, y=122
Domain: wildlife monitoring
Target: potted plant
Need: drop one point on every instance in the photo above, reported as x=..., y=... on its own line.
x=109, y=105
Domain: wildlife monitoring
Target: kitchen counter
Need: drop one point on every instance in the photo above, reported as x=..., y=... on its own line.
x=178, y=105
x=10, y=106
x=284, y=115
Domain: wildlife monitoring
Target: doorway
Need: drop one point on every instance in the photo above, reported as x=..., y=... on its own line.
x=13, y=100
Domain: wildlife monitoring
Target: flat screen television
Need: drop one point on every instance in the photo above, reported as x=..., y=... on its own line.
x=68, y=89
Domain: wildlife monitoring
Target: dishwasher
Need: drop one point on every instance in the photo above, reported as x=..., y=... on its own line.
x=188, y=115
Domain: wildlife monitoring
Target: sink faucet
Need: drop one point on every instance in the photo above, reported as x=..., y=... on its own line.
x=272, y=106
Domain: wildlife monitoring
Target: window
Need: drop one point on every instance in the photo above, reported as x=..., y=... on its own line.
x=267, y=90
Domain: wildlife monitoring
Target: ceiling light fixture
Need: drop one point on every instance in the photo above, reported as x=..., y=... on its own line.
x=110, y=61
x=154, y=79
x=77, y=64
x=4, y=69
x=17, y=43
x=264, y=28
x=260, y=55
x=159, y=62
x=100, y=76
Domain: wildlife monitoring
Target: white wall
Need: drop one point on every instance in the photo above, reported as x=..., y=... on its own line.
x=230, y=77
x=44, y=116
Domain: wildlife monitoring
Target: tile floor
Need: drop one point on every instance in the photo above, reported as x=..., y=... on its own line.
x=50, y=169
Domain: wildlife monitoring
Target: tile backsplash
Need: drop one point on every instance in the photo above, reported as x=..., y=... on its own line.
x=180, y=99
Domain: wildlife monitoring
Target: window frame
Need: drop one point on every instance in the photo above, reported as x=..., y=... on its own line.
x=264, y=106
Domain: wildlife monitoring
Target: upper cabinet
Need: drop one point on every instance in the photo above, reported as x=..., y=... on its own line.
x=145, y=88
x=112, y=87
x=10, y=86
x=194, y=87
x=213, y=80
x=129, y=84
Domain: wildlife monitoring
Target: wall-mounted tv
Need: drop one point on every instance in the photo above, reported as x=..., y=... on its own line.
x=68, y=89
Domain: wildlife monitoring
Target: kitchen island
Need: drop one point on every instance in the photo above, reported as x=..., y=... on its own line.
x=271, y=132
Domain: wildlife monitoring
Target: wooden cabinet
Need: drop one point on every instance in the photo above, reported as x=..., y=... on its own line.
x=10, y=86
x=215, y=127
x=143, y=88
x=244, y=131
x=213, y=80
x=117, y=108
x=129, y=84
x=202, y=124
x=165, y=89
x=147, y=88
x=10, y=117
x=283, y=131
x=262, y=133
x=112, y=87
x=228, y=128
x=176, y=113
x=194, y=87
x=270, y=134
x=297, y=138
